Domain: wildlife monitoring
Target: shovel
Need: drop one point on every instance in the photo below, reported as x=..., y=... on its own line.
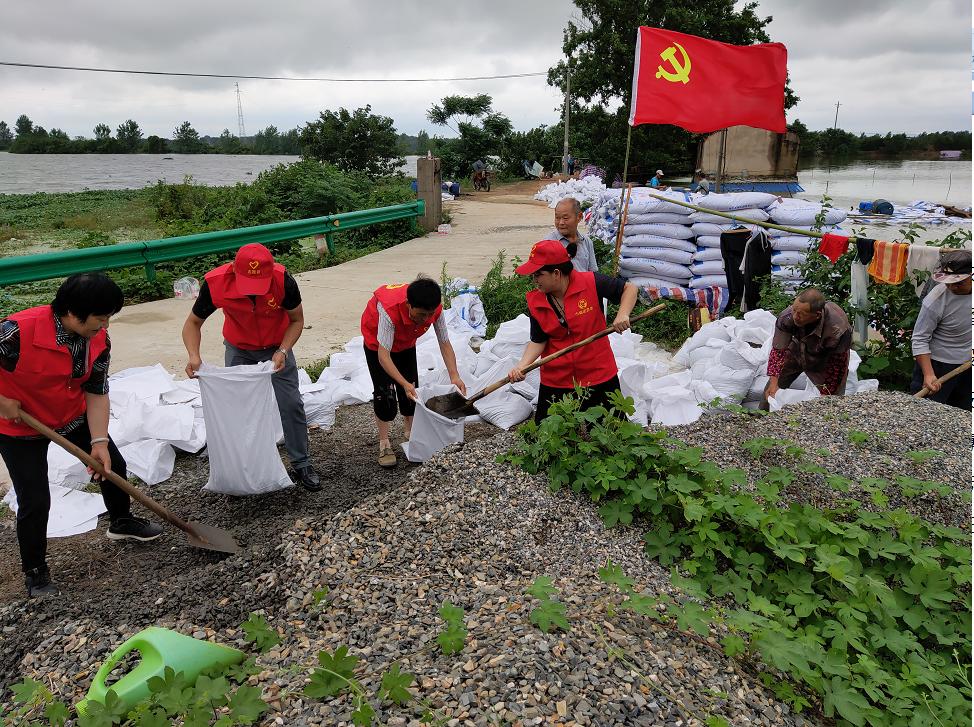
x=455, y=406
x=199, y=535
x=946, y=377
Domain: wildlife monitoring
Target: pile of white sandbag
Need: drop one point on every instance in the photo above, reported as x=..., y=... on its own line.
x=657, y=242
x=791, y=249
x=585, y=190
x=708, y=264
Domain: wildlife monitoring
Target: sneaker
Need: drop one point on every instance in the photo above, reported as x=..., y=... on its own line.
x=387, y=457
x=308, y=478
x=38, y=583
x=133, y=528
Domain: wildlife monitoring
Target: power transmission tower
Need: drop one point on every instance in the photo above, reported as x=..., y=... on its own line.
x=241, y=132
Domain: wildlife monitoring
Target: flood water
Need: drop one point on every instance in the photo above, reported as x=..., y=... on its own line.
x=29, y=173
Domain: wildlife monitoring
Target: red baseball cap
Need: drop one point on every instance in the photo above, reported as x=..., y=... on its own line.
x=545, y=252
x=253, y=268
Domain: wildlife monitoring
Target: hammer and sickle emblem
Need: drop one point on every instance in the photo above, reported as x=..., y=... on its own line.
x=681, y=71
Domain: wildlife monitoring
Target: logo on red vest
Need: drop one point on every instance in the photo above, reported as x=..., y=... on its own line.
x=272, y=302
x=583, y=307
x=396, y=285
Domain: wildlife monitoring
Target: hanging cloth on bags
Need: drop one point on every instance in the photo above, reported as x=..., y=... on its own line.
x=889, y=262
x=865, y=249
x=833, y=246
x=747, y=255
x=243, y=426
x=859, y=298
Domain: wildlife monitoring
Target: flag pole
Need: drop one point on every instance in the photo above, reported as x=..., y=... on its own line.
x=622, y=224
x=625, y=166
x=721, y=160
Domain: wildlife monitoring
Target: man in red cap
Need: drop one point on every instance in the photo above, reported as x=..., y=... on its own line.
x=263, y=319
x=565, y=308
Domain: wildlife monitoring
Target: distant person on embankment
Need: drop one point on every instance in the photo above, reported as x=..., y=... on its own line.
x=394, y=319
x=54, y=362
x=568, y=215
x=656, y=181
x=566, y=307
x=942, y=334
x=262, y=320
x=811, y=336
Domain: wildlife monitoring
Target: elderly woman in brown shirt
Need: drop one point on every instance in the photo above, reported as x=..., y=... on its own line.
x=811, y=336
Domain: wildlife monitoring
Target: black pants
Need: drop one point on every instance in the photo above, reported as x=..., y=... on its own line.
x=386, y=392
x=26, y=461
x=956, y=392
x=734, y=250
x=597, y=395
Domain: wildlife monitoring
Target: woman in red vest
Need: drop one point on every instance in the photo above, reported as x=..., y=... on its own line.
x=262, y=320
x=565, y=308
x=394, y=319
x=54, y=363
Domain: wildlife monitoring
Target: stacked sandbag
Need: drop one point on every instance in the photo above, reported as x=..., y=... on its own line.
x=790, y=249
x=657, y=242
x=587, y=190
x=708, y=266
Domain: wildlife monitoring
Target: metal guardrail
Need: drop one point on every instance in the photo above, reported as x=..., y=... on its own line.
x=60, y=264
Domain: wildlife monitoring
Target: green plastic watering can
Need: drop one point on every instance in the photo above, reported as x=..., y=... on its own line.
x=158, y=649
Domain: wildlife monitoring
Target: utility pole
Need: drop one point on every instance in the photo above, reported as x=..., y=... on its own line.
x=568, y=91
x=241, y=133
x=835, y=126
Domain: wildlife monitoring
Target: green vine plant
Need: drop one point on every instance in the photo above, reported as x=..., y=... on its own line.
x=864, y=614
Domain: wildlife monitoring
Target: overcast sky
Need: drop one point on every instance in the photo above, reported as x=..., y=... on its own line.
x=894, y=65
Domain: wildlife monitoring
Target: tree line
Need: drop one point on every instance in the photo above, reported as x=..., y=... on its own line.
x=839, y=142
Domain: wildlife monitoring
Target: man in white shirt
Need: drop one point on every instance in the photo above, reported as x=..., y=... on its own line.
x=942, y=334
x=568, y=215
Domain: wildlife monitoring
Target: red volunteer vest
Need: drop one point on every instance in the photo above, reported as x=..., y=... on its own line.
x=42, y=380
x=590, y=365
x=393, y=299
x=249, y=325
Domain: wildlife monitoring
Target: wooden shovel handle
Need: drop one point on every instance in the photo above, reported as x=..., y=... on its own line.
x=123, y=484
x=568, y=349
x=946, y=377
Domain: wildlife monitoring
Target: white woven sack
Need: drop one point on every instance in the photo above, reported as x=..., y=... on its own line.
x=657, y=241
x=711, y=228
x=707, y=253
x=649, y=282
x=730, y=201
x=785, y=273
x=667, y=254
x=708, y=267
x=810, y=228
x=803, y=212
x=708, y=281
x=655, y=268
x=793, y=242
x=748, y=214
x=708, y=241
x=680, y=232
x=651, y=218
x=787, y=257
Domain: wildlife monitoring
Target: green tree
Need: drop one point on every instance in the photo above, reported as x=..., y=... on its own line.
x=129, y=136
x=24, y=126
x=6, y=136
x=267, y=141
x=228, y=143
x=601, y=48
x=353, y=141
x=422, y=142
x=476, y=140
x=186, y=140
x=103, y=132
x=290, y=142
x=155, y=145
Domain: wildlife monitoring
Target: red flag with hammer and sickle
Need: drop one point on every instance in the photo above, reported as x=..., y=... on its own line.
x=703, y=85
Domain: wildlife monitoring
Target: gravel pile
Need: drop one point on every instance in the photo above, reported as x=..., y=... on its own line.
x=466, y=529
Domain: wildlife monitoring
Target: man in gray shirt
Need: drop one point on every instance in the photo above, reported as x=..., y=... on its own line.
x=568, y=214
x=942, y=334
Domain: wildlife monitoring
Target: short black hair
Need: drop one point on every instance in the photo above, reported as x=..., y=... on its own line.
x=88, y=294
x=813, y=298
x=424, y=293
x=564, y=268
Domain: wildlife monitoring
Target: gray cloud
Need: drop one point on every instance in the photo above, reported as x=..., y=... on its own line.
x=895, y=65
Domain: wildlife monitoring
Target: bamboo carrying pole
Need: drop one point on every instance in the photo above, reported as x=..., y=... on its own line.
x=622, y=225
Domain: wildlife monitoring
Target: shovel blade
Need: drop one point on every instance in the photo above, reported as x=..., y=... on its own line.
x=453, y=405
x=211, y=538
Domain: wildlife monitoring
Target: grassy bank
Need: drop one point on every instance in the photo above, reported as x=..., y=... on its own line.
x=38, y=223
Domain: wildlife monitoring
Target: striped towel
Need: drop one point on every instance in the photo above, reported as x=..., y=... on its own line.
x=713, y=298
x=889, y=262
